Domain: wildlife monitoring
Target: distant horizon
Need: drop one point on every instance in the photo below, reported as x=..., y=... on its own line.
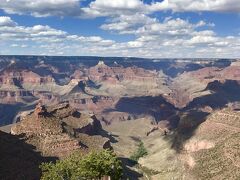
x=127, y=57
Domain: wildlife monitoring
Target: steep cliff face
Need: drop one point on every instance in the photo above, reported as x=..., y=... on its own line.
x=102, y=72
x=25, y=76
x=26, y=86
x=15, y=85
x=194, y=84
x=121, y=81
x=95, y=104
x=60, y=130
x=214, y=73
x=16, y=96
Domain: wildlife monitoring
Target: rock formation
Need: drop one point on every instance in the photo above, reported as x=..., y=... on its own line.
x=98, y=86
x=60, y=130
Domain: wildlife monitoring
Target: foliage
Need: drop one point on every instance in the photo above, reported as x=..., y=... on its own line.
x=92, y=166
x=141, y=151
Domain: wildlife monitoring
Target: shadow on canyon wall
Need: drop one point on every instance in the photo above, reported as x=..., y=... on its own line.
x=143, y=106
x=222, y=94
x=8, y=113
x=128, y=173
x=188, y=119
x=189, y=122
x=192, y=116
x=19, y=160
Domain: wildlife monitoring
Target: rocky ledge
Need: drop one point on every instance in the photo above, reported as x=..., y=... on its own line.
x=59, y=130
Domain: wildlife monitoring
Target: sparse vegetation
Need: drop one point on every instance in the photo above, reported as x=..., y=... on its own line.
x=140, y=152
x=148, y=172
x=95, y=165
x=220, y=162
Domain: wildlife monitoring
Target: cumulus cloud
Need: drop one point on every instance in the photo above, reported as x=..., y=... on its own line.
x=42, y=8
x=117, y=4
x=11, y=31
x=135, y=44
x=171, y=37
x=118, y=7
x=45, y=38
x=125, y=24
x=142, y=25
x=98, y=8
x=153, y=38
x=199, y=5
x=7, y=21
x=110, y=8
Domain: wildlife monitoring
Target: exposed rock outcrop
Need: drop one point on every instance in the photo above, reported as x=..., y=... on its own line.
x=60, y=130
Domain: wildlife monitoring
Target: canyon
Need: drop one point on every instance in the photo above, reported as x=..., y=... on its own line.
x=184, y=111
x=103, y=88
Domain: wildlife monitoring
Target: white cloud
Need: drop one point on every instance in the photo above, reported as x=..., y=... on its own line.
x=153, y=38
x=171, y=38
x=199, y=5
x=150, y=37
x=116, y=4
x=125, y=24
x=19, y=45
x=98, y=8
x=202, y=40
x=141, y=24
x=44, y=39
x=7, y=21
x=42, y=8
x=11, y=31
x=135, y=44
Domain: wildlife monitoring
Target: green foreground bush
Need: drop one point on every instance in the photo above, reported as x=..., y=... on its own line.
x=92, y=166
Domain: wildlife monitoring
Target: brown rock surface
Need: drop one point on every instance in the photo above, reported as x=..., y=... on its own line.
x=58, y=131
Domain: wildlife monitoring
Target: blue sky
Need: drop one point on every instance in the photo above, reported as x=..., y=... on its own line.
x=156, y=29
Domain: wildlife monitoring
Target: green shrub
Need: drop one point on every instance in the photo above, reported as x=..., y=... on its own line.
x=140, y=152
x=92, y=166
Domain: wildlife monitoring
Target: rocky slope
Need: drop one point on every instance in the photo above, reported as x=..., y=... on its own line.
x=47, y=134
x=60, y=130
x=211, y=150
x=197, y=149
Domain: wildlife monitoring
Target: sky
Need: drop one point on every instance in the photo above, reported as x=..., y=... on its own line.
x=129, y=28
